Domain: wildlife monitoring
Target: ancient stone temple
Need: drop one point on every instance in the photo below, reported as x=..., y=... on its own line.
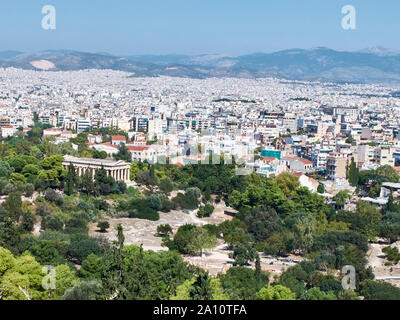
x=119, y=170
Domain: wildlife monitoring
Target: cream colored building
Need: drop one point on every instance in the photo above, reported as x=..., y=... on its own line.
x=336, y=166
x=119, y=170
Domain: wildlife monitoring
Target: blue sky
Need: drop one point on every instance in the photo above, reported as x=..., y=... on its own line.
x=125, y=27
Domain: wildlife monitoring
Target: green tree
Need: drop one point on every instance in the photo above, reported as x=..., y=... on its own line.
x=123, y=153
x=303, y=226
x=183, y=290
x=392, y=254
x=23, y=281
x=287, y=182
x=86, y=183
x=201, y=239
x=91, y=267
x=7, y=261
x=277, y=292
x=218, y=293
x=316, y=294
x=80, y=249
x=5, y=169
x=201, y=287
x=192, y=196
x=103, y=226
x=10, y=235
x=340, y=198
x=372, y=216
x=52, y=222
x=85, y=290
x=353, y=174
x=205, y=211
x=262, y=222
x=65, y=279
x=241, y=283
x=166, y=185
x=13, y=206
x=379, y=290
x=242, y=254
x=164, y=230
x=71, y=180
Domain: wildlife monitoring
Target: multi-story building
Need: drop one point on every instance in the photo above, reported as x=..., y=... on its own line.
x=290, y=122
x=336, y=166
x=140, y=124
x=83, y=125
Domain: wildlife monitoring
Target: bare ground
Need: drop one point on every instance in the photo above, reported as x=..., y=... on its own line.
x=376, y=260
x=137, y=232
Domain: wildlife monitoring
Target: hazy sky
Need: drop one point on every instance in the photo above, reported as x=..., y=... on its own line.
x=234, y=27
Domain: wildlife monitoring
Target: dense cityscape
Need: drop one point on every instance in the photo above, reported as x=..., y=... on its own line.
x=169, y=188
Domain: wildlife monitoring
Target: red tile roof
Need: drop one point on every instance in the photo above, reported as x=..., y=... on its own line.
x=305, y=161
x=269, y=159
x=118, y=138
x=138, y=148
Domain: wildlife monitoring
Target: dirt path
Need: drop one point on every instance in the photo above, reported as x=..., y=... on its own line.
x=377, y=260
x=375, y=256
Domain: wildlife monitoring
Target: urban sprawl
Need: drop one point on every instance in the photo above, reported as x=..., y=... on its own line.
x=292, y=179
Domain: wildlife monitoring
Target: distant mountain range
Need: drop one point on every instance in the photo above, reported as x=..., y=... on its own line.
x=369, y=65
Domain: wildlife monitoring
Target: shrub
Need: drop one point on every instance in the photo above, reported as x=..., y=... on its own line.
x=52, y=222
x=205, y=211
x=103, y=226
x=164, y=230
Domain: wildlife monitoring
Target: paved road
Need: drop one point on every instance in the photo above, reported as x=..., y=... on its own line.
x=388, y=278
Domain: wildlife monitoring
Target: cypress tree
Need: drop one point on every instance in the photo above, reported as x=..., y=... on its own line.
x=71, y=180
x=353, y=174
